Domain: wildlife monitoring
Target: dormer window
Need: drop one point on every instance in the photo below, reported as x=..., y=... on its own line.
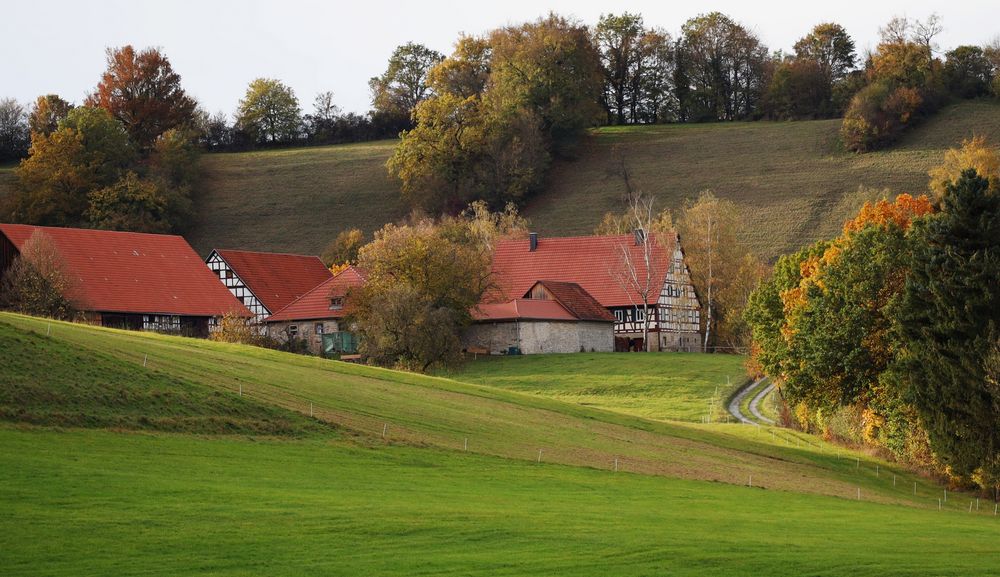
x=336, y=303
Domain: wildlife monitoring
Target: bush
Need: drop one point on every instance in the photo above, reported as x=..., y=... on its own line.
x=36, y=284
x=877, y=114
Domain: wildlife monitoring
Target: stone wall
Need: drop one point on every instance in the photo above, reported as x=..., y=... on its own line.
x=538, y=337
x=305, y=331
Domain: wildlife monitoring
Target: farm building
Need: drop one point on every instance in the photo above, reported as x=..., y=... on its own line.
x=317, y=317
x=551, y=317
x=266, y=282
x=131, y=280
x=598, y=265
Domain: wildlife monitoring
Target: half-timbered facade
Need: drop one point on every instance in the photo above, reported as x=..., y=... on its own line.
x=266, y=282
x=597, y=263
x=128, y=280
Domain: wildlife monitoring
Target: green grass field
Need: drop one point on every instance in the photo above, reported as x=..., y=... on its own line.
x=791, y=178
x=678, y=386
x=335, y=496
x=100, y=503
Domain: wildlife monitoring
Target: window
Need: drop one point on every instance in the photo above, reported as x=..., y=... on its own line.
x=336, y=303
x=619, y=315
x=319, y=328
x=640, y=314
x=293, y=330
x=229, y=273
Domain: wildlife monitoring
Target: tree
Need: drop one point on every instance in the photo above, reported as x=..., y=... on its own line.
x=322, y=123
x=269, y=112
x=708, y=230
x=949, y=315
x=36, y=282
x=398, y=90
x=618, y=40
x=46, y=114
x=130, y=204
x=14, y=135
x=831, y=47
x=142, y=91
x=799, y=89
x=343, y=250
x=421, y=287
x=976, y=154
x=89, y=151
x=968, y=72
x=653, y=233
x=721, y=68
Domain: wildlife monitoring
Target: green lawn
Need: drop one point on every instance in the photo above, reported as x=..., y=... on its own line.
x=679, y=386
x=102, y=503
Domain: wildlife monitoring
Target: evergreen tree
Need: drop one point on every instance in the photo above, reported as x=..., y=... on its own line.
x=949, y=318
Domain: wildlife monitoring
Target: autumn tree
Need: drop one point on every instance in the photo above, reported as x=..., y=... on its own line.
x=46, y=114
x=948, y=315
x=637, y=65
x=141, y=90
x=14, y=134
x=397, y=91
x=130, y=204
x=968, y=72
x=974, y=153
x=343, y=250
x=708, y=230
x=831, y=47
x=421, y=287
x=89, y=151
x=269, y=112
x=36, y=283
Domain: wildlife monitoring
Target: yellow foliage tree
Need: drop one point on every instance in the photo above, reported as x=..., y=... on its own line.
x=975, y=153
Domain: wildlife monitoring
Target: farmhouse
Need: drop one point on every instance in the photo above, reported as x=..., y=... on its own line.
x=266, y=282
x=598, y=265
x=551, y=317
x=131, y=280
x=317, y=317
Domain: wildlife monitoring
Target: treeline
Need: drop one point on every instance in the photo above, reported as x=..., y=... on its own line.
x=889, y=335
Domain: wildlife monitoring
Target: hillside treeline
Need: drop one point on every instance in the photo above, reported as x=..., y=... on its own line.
x=889, y=335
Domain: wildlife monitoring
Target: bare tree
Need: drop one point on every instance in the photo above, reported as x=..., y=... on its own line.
x=637, y=271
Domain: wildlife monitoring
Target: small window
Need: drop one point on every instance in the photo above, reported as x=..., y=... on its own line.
x=620, y=316
x=229, y=273
x=640, y=314
x=293, y=330
x=336, y=303
x=319, y=328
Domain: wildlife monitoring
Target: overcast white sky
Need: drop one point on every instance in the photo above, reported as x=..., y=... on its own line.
x=218, y=47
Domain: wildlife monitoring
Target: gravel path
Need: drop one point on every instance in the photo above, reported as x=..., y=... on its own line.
x=734, y=405
x=755, y=403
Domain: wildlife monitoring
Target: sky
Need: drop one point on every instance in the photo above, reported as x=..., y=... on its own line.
x=218, y=47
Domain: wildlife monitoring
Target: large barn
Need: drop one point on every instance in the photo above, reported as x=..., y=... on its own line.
x=131, y=280
x=597, y=264
x=266, y=282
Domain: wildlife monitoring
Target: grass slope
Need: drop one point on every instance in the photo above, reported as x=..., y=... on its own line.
x=99, y=503
x=292, y=200
x=7, y=179
x=679, y=386
x=47, y=381
x=791, y=178
x=434, y=412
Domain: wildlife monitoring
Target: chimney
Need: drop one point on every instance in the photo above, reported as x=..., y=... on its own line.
x=640, y=237
x=532, y=241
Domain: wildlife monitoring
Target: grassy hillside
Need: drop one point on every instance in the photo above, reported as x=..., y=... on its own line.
x=98, y=503
x=679, y=386
x=791, y=179
x=292, y=200
x=47, y=381
x=418, y=501
x=426, y=411
x=6, y=179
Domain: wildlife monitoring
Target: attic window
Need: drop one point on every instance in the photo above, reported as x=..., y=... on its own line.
x=336, y=303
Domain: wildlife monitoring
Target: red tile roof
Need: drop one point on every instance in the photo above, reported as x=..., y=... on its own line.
x=276, y=279
x=577, y=301
x=522, y=309
x=315, y=304
x=130, y=272
x=589, y=261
